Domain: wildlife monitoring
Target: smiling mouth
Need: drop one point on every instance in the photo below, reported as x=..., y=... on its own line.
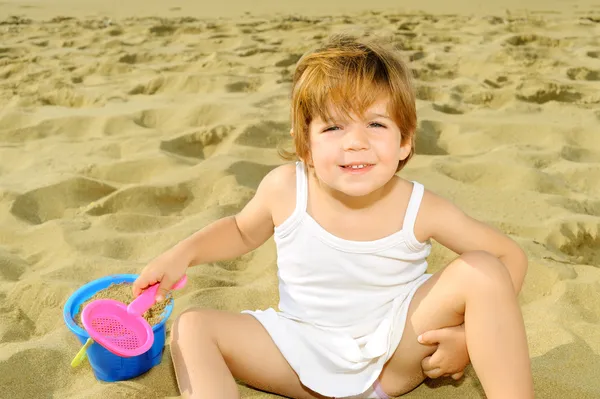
x=356, y=166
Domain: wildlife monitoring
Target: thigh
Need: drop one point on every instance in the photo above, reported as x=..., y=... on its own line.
x=249, y=352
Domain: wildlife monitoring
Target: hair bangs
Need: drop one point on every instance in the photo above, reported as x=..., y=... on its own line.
x=345, y=87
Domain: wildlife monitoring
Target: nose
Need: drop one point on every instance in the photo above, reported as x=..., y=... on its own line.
x=356, y=139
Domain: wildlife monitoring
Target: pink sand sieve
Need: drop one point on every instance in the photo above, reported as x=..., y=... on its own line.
x=121, y=328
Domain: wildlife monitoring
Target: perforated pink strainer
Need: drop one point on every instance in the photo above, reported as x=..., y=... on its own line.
x=121, y=328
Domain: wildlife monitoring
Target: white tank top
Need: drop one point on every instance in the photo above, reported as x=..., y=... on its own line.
x=331, y=282
x=342, y=304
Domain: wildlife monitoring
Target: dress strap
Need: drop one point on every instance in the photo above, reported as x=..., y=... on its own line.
x=301, y=187
x=413, y=206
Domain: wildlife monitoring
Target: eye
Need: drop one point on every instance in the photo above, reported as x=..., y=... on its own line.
x=376, y=124
x=331, y=128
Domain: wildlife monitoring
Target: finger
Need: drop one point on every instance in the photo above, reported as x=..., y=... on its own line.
x=429, y=337
x=164, y=288
x=458, y=376
x=435, y=373
x=428, y=364
x=143, y=281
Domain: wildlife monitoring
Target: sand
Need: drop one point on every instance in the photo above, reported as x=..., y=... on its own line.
x=126, y=127
x=122, y=293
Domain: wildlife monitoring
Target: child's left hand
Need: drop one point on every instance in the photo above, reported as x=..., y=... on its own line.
x=451, y=356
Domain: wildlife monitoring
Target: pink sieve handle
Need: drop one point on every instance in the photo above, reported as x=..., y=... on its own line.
x=148, y=298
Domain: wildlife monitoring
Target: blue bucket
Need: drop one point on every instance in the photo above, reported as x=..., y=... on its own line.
x=106, y=365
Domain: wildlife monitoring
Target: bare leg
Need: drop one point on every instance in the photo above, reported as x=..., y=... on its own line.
x=210, y=348
x=475, y=288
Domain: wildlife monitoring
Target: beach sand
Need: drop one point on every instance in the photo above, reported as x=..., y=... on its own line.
x=124, y=130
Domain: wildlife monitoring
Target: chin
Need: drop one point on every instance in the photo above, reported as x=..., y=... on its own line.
x=358, y=190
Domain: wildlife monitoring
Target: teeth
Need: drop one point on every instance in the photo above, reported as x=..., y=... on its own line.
x=357, y=166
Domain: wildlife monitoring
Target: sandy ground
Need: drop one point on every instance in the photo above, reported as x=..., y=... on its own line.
x=126, y=127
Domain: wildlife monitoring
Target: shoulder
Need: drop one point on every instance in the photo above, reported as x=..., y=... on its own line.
x=279, y=189
x=274, y=191
x=432, y=202
x=453, y=228
x=434, y=211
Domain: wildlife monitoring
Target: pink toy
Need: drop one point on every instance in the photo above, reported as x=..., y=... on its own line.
x=120, y=328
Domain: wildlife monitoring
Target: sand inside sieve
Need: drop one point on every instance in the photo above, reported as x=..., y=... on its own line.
x=122, y=292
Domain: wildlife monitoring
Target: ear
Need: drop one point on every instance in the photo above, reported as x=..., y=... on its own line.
x=292, y=132
x=405, y=149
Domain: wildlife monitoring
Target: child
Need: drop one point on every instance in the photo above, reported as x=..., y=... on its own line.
x=352, y=241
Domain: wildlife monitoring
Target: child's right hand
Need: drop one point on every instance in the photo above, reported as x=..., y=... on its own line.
x=165, y=269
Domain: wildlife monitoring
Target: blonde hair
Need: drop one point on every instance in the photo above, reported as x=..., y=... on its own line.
x=349, y=74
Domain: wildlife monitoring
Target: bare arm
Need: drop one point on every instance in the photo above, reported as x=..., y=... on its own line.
x=223, y=239
x=233, y=236
x=460, y=233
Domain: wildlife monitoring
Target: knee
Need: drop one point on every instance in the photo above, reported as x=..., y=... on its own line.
x=480, y=269
x=189, y=323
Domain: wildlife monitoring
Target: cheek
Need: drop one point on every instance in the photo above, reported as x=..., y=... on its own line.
x=389, y=148
x=322, y=152
x=322, y=159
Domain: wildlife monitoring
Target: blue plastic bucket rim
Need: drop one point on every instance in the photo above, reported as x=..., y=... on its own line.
x=72, y=325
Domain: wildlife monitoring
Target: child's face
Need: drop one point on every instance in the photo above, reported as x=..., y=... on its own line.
x=357, y=156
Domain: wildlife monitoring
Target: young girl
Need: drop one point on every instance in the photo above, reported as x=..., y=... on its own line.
x=352, y=241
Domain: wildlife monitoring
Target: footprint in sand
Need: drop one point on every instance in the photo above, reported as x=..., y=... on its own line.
x=580, y=241
x=148, y=200
x=579, y=154
x=532, y=39
x=200, y=144
x=450, y=108
x=16, y=20
x=178, y=83
x=430, y=72
x=249, y=174
x=454, y=101
x=153, y=118
x=13, y=53
x=15, y=325
x=250, y=51
x=428, y=138
x=11, y=266
x=290, y=60
x=417, y=56
x=56, y=200
x=248, y=85
x=162, y=30
x=172, y=118
x=426, y=92
x=267, y=134
x=68, y=97
x=593, y=54
x=542, y=92
x=582, y=73
x=137, y=58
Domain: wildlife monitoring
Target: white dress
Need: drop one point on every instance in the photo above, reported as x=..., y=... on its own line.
x=343, y=304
